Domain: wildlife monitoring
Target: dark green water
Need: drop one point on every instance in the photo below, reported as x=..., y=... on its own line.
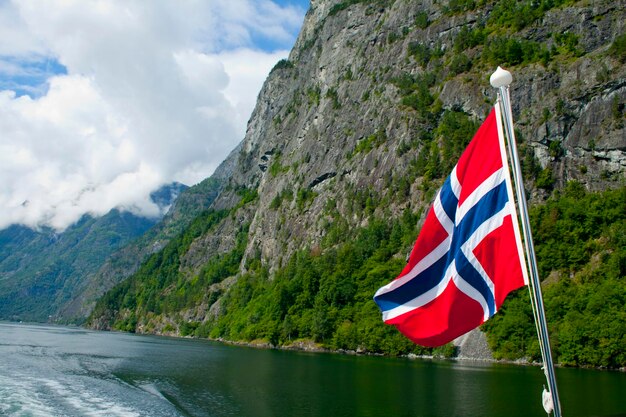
x=56, y=371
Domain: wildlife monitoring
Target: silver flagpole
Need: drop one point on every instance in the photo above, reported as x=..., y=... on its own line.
x=501, y=79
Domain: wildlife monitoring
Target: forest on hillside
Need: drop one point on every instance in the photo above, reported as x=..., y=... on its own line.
x=324, y=294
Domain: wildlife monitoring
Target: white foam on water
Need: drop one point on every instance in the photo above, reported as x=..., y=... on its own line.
x=45, y=375
x=86, y=402
x=63, y=395
x=152, y=389
x=18, y=397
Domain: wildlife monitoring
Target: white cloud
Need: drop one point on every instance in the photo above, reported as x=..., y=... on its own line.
x=154, y=92
x=14, y=39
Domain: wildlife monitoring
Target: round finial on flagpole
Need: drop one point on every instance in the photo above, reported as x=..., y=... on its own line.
x=500, y=78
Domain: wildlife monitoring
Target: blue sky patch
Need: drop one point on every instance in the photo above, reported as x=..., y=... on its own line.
x=28, y=76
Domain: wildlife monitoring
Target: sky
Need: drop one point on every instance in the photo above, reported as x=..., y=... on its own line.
x=104, y=101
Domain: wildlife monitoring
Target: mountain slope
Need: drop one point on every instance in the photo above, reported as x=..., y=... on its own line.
x=41, y=271
x=125, y=261
x=349, y=141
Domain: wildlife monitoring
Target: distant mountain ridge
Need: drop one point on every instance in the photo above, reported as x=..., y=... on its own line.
x=43, y=270
x=121, y=264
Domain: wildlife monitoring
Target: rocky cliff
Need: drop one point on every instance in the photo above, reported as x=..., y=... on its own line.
x=363, y=122
x=334, y=122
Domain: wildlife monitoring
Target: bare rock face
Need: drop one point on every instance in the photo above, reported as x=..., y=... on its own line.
x=330, y=121
x=473, y=345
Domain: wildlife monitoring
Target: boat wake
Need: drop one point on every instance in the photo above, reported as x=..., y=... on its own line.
x=41, y=384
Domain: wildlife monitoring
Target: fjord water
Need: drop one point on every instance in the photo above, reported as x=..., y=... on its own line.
x=59, y=371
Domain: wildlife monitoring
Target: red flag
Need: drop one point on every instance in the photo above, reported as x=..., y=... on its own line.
x=468, y=255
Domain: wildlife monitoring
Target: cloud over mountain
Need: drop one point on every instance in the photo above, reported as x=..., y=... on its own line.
x=101, y=102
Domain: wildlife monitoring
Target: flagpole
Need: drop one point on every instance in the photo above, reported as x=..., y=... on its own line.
x=501, y=79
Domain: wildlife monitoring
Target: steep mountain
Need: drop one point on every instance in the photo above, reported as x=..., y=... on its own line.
x=41, y=271
x=351, y=137
x=125, y=261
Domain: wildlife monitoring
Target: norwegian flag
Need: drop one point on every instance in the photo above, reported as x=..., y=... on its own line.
x=468, y=255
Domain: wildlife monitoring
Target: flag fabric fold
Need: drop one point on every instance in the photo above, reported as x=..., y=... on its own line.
x=468, y=255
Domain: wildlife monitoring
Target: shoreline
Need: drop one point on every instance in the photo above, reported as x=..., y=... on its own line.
x=305, y=345
x=312, y=347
